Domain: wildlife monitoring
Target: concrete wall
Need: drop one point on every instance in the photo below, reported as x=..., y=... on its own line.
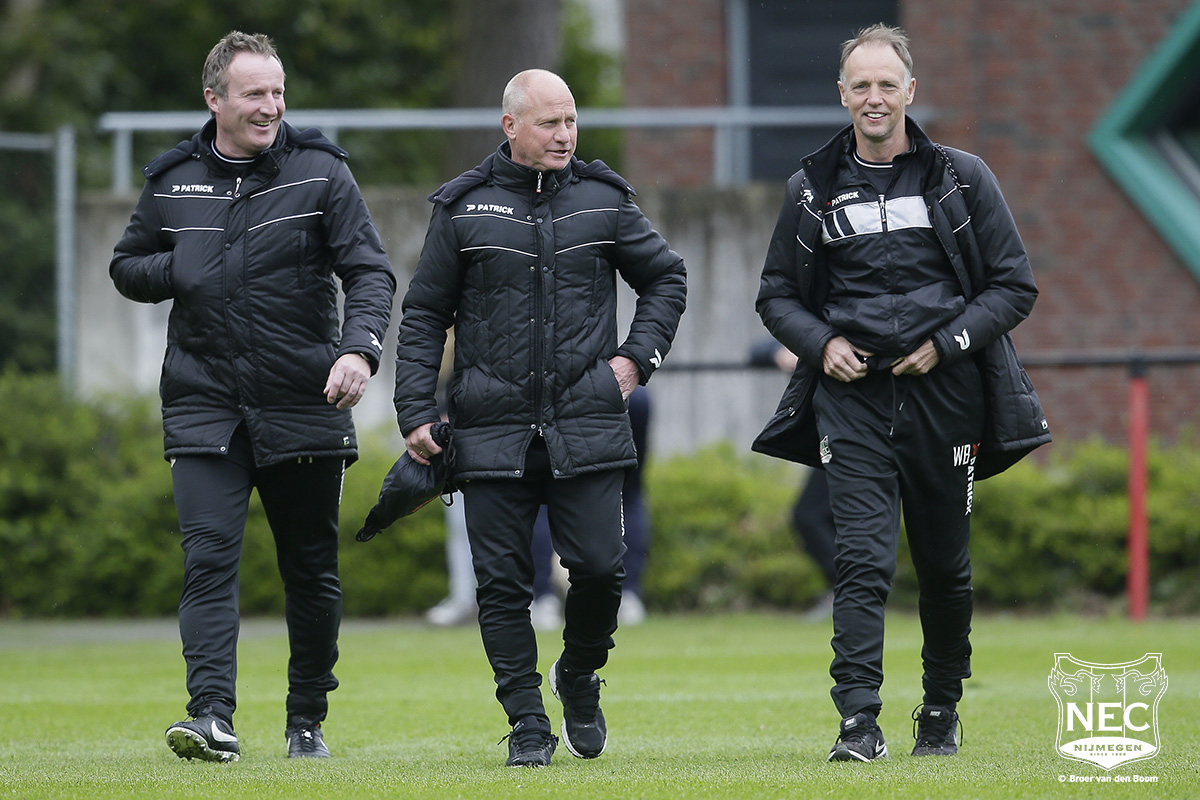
x=722, y=236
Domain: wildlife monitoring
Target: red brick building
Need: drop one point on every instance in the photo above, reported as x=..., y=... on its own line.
x=1021, y=83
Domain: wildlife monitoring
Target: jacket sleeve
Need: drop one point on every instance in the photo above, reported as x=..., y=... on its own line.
x=780, y=301
x=362, y=265
x=141, y=262
x=657, y=274
x=1008, y=291
x=428, y=311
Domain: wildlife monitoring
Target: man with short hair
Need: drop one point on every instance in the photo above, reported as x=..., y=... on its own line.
x=244, y=228
x=521, y=259
x=895, y=273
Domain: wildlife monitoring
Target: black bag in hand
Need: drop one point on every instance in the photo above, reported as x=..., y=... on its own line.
x=410, y=486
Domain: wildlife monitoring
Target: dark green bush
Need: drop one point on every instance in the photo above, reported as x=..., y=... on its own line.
x=88, y=526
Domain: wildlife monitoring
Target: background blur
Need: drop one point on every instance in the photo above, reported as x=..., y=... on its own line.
x=1087, y=112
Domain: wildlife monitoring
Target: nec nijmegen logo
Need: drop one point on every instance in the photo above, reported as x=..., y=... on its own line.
x=1108, y=713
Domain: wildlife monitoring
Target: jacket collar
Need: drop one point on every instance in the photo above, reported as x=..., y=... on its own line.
x=201, y=146
x=511, y=175
x=821, y=166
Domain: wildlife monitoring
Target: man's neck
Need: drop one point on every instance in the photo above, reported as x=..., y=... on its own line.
x=882, y=152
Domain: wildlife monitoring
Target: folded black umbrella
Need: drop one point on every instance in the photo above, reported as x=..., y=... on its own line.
x=410, y=486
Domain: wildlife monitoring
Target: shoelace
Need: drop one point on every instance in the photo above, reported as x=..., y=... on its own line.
x=854, y=735
x=308, y=740
x=935, y=730
x=525, y=740
x=585, y=701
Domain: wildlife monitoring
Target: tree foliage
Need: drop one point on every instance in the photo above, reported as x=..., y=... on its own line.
x=66, y=62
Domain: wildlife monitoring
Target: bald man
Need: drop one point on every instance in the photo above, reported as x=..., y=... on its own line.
x=521, y=259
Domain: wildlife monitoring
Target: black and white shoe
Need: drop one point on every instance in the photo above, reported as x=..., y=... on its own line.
x=530, y=743
x=583, y=729
x=207, y=738
x=859, y=739
x=937, y=730
x=304, y=740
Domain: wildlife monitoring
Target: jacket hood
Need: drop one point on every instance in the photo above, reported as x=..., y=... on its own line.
x=499, y=168
x=201, y=144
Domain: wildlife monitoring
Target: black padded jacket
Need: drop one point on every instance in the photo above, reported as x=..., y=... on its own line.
x=973, y=224
x=523, y=265
x=249, y=264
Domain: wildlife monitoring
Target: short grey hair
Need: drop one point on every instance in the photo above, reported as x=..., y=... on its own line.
x=879, y=33
x=223, y=53
x=516, y=94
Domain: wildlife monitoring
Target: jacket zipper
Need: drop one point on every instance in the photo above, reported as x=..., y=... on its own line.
x=538, y=327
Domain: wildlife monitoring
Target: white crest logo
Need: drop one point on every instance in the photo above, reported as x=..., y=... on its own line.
x=964, y=339
x=1108, y=713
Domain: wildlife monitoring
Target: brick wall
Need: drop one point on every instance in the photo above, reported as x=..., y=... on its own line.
x=675, y=57
x=1020, y=83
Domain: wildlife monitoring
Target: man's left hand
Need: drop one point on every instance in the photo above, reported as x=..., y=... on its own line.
x=919, y=362
x=627, y=374
x=347, y=380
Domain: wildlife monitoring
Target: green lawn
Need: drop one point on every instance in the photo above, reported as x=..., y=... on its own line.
x=731, y=706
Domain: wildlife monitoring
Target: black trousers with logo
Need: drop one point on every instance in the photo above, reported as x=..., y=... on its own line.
x=301, y=499
x=586, y=524
x=901, y=446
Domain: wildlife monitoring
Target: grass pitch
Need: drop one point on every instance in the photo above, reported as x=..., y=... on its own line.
x=730, y=706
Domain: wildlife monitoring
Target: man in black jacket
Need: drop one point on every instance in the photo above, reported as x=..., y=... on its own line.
x=244, y=228
x=521, y=258
x=895, y=273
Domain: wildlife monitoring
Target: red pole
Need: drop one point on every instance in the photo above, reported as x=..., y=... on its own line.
x=1138, y=577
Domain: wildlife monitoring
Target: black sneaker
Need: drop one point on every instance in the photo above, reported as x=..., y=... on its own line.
x=206, y=737
x=530, y=744
x=859, y=739
x=583, y=729
x=304, y=740
x=937, y=730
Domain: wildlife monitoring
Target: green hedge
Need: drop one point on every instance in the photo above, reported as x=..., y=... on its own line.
x=88, y=526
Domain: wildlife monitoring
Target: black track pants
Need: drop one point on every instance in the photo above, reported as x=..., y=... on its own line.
x=901, y=445
x=301, y=502
x=585, y=517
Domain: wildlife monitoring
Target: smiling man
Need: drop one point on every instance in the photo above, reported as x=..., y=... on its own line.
x=521, y=259
x=244, y=228
x=895, y=273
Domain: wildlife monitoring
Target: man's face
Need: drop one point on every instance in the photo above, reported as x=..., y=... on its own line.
x=542, y=136
x=876, y=92
x=249, y=114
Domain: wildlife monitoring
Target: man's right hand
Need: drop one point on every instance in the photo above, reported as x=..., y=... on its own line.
x=843, y=361
x=420, y=444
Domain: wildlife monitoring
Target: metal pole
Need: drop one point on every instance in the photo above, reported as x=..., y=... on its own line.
x=1138, y=577
x=64, y=251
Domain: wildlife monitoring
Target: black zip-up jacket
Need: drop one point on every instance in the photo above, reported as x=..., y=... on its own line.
x=523, y=265
x=249, y=264
x=976, y=230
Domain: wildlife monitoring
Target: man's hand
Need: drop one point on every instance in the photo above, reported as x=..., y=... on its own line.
x=843, y=361
x=627, y=374
x=785, y=359
x=919, y=362
x=420, y=444
x=347, y=380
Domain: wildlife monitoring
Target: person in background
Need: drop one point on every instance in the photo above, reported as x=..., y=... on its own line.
x=546, y=611
x=247, y=229
x=521, y=258
x=895, y=273
x=812, y=517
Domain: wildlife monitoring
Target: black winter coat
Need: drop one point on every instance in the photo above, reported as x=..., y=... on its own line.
x=977, y=233
x=249, y=265
x=523, y=265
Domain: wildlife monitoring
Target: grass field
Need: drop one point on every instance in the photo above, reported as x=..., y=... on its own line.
x=731, y=706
